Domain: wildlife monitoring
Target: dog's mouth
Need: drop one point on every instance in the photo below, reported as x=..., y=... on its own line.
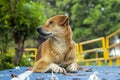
x=43, y=34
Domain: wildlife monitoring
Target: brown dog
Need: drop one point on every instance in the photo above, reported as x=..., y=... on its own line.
x=57, y=53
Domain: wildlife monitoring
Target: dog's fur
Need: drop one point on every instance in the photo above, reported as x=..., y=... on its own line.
x=57, y=53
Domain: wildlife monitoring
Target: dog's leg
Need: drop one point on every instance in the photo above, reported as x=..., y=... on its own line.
x=72, y=67
x=40, y=66
x=43, y=66
x=55, y=68
x=71, y=60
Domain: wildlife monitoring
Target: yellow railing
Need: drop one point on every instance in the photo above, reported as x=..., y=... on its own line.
x=32, y=49
x=94, y=50
x=105, y=48
x=110, y=46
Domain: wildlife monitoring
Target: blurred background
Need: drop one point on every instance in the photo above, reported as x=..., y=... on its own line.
x=19, y=19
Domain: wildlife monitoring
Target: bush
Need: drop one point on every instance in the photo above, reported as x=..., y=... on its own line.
x=26, y=60
x=6, y=61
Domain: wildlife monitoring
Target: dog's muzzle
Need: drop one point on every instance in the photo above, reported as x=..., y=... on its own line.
x=43, y=33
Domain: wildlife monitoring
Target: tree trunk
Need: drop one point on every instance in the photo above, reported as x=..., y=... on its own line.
x=19, y=48
x=17, y=34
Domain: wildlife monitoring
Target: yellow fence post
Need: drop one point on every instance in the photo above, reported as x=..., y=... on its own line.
x=87, y=63
x=110, y=62
x=35, y=53
x=77, y=52
x=118, y=61
x=104, y=48
x=107, y=46
x=81, y=52
x=99, y=63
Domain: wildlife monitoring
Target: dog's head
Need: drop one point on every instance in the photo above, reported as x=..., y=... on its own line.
x=57, y=26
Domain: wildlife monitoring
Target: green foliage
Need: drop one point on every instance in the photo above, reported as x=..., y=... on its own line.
x=88, y=18
x=27, y=17
x=18, y=21
x=5, y=38
x=100, y=16
x=6, y=61
x=95, y=17
x=26, y=60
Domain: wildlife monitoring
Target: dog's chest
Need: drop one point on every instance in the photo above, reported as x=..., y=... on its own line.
x=60, y=48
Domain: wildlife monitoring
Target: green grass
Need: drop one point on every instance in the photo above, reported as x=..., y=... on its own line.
x=94, y=63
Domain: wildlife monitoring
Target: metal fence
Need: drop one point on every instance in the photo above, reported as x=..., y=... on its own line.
x=105, y=49
x=94, y=51
x=111, y=47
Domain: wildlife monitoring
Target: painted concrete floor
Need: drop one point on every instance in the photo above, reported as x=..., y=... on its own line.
x=104, y=73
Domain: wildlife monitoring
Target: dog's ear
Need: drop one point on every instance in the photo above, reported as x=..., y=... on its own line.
x=63, y=20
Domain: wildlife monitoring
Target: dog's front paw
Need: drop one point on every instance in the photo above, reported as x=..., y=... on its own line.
x=72, y=68
x=55, y=68
x=59, y=70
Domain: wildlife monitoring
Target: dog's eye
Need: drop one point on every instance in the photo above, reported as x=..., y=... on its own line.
x=51, y=22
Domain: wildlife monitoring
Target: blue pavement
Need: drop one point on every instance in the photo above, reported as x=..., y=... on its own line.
x=104, y=73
